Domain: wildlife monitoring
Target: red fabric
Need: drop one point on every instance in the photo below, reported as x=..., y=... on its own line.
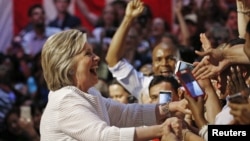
x=20, y=17
x=161, y=8
x=156, y=139
x=95, y=6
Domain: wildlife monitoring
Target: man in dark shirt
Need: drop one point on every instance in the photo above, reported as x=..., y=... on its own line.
x=64, y=19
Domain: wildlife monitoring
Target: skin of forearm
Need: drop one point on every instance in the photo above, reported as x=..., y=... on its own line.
x=212, y=104
x=85, y=11
x=116, y=49
x=184, y=29
x=148, y=132
x=236, y=55
x=200, y=121
x=243, y=20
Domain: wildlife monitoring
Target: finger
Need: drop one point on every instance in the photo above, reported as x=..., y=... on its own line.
x=231, y=85
x=245, y=118
x=195, y=63
x=235, y=80
x=189, y=98
x=137, y=2
x=198, y=70
x=229, y=88
x=199, y=53
x=233, y=106
x=240, y=78
x=141, y=8
x=208, y=74
x=200, y=100
x=203, y=70
x=235, y=113
x=133, y=3
x=176, y=126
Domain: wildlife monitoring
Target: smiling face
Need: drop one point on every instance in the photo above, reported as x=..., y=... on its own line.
x=85, y=66
x=163, y=60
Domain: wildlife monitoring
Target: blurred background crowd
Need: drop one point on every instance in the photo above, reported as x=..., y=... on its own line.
x=179, y=25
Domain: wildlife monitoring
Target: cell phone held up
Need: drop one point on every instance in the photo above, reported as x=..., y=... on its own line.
x=237, y=98
x=191, y=85
x=165, y=96
x=182, y=65
x=25, y=112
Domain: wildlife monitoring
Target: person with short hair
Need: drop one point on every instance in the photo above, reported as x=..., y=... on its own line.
x=64, y=20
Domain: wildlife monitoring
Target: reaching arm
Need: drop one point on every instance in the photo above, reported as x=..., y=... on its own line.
x=91, y=17
x=243, y=17
x=116, y=51
x=182, y=23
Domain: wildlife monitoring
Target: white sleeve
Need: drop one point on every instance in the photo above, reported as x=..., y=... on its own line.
x=128, y=76
x=80, y=121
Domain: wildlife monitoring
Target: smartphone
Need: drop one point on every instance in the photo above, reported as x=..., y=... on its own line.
x=182, y=65
x=25, y=112
x=237, y=98
x=189, y=83
x=165, y=96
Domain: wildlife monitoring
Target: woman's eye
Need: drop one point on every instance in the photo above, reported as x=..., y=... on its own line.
x=89, y=53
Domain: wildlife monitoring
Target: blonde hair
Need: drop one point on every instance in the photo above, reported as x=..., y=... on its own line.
x=57, y=57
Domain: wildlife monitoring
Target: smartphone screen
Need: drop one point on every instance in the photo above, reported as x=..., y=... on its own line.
x=165, y=96
x=189, y=83
x=25, y=112
x=181, y=65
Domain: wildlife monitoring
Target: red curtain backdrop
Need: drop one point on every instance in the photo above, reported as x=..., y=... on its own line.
x=95, y=6
x=160, y=8
x=20, y=15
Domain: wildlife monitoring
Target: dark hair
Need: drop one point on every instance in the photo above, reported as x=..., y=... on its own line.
x=131, y=98
x=33, y=7
x=159, y=78
x=122, y=3
x=172, y=37
x=248, y=27
x=115, y=81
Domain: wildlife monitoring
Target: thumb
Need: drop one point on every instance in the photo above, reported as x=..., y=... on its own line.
x=204, y=53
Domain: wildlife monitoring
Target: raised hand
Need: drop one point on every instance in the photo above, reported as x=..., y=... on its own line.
x=179, y=106
x=243, y=6
x=134, y=8
x=206, y=44
x=172, y=129
x=236, y=82
x=178, y=6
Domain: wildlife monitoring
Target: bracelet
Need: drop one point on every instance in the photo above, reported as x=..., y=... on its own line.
x=203, y=132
